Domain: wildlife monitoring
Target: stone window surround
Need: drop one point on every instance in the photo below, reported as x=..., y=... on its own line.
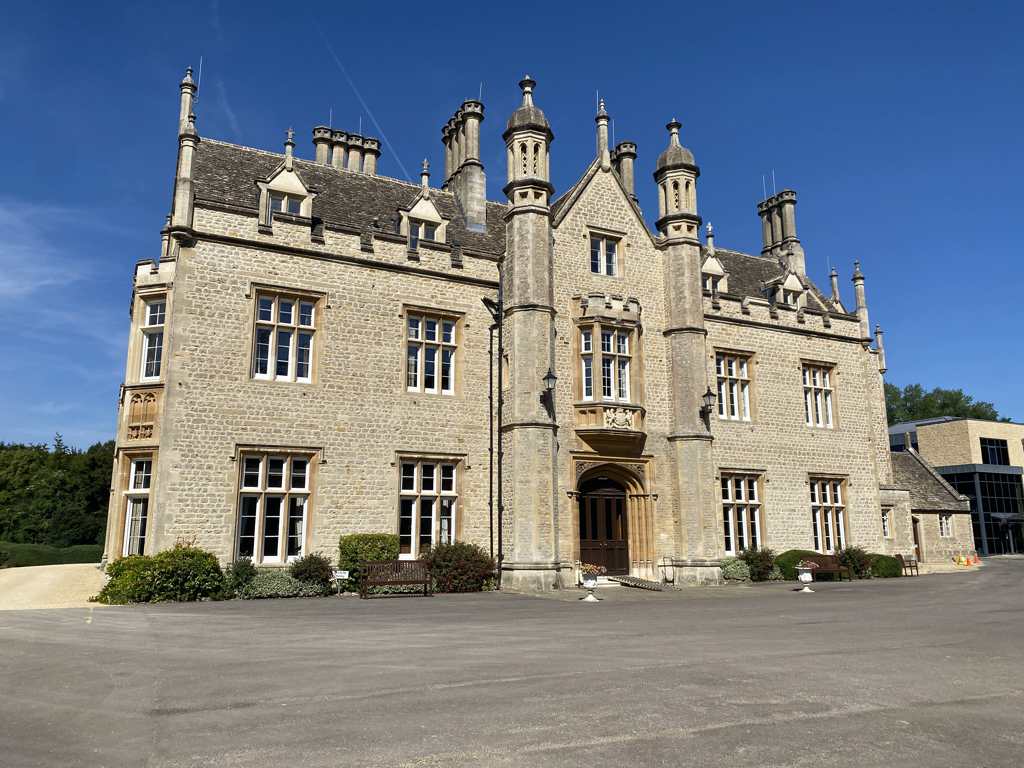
x=945, y=522
x=136, y=347
x=731, y=475
x=833, y=369
x=622, y=246
x=841, y=508
x=418, y=458
x=320, y=306
x=125, y=459
x=887, y=523
x=752, y=361
x=315, y=457
x=277, y=184
x=420, y=308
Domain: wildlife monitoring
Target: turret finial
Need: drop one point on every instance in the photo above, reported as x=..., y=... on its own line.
x=527, y=84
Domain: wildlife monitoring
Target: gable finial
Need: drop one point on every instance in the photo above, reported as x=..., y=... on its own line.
x=425, y=174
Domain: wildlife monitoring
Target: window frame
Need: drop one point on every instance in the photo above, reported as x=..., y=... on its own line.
x=137, y=494
x=442, y=366
x=946, y=525
x=150, y=330
x=608, y=264
x=994, y=448
x=735, y=390
x=616, y=364
x=819, y=398
x=440, y=490
x=286, y=492
x=741, y=514
x=275, y=326
x=829, y=521
x=288, y=198
x=887, y=522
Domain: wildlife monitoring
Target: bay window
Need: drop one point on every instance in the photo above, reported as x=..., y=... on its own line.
x=136, y=505
x=152, y=326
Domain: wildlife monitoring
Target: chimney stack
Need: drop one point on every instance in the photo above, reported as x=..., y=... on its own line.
x=623, y=158
x=355, y=152
x=778, y=230
x=322, y=142
x=371, y=151
x=464, y=173
x=339, y=142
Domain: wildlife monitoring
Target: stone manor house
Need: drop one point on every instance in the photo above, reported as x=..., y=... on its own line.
x=312, y=355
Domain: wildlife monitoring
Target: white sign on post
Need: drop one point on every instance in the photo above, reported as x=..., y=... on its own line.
x=340, y=575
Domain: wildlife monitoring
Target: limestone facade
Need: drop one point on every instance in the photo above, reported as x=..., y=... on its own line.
x=362, y=261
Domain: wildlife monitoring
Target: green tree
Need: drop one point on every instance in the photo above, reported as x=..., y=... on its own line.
x=912, y=402
x=57, y=496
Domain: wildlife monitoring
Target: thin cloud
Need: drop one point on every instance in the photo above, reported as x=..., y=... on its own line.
x=225, y=107
x=31, y=256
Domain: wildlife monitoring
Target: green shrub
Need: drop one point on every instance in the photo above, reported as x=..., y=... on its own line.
x=857, y=560
x=313, y=569
x=23, y=555
x=459, y=567
x=760, y=562
x=885, y=567
x=274, y=582
x=358, y=547
x=238, y=574
x=185, y=573
x=4, y=557
x=775, y=574
x=130, y=580
x=786, y=561
x=734, y=569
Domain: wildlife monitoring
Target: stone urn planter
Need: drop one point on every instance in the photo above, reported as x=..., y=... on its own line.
x=588, y=578
x=805, y=575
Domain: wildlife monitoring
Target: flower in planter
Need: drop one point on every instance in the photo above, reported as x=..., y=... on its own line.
x=807, y=564
x=589, y=570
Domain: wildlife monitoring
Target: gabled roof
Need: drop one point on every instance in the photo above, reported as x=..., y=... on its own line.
x=928, y=490
x=561, y=206
x=226, y=173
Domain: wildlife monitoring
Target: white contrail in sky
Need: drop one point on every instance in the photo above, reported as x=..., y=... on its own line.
x=366, y=107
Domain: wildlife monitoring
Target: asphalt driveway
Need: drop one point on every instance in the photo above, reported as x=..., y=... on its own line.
x=928, y=670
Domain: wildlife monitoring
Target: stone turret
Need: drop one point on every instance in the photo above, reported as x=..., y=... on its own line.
x=676, y=176
x=861, y=303
x=528, y=426
x=692, y=471
x=188, y=140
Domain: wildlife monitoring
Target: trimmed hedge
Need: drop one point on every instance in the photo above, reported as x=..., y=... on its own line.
x=358, y=547
x=885, y=567
x=734, y=569
x=21, y=555
x=274, y=582
x=459, y=567
x=182, y=574
x=759, y=562
x=786, y=561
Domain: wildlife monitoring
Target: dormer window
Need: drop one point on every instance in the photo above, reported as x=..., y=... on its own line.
x=421, y=230
x=711, y=283
x=282, y=203
x=792, y=298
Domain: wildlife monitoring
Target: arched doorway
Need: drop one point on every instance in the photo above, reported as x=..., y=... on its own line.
x=603, y=524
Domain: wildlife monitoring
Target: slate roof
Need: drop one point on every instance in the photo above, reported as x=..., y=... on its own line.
x=226, y=173
x=928, y=491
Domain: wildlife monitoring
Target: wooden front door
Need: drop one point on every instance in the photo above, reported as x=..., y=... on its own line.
x=915, y=526
x=603, y=536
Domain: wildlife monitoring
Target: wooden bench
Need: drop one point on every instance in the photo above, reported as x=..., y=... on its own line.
x=829, y=564
x=393, y=573
x=909, y=564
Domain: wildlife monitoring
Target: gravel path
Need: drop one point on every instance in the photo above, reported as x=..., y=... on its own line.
x=49, y=586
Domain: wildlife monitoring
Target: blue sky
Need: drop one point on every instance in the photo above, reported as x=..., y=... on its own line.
x=899, y=125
